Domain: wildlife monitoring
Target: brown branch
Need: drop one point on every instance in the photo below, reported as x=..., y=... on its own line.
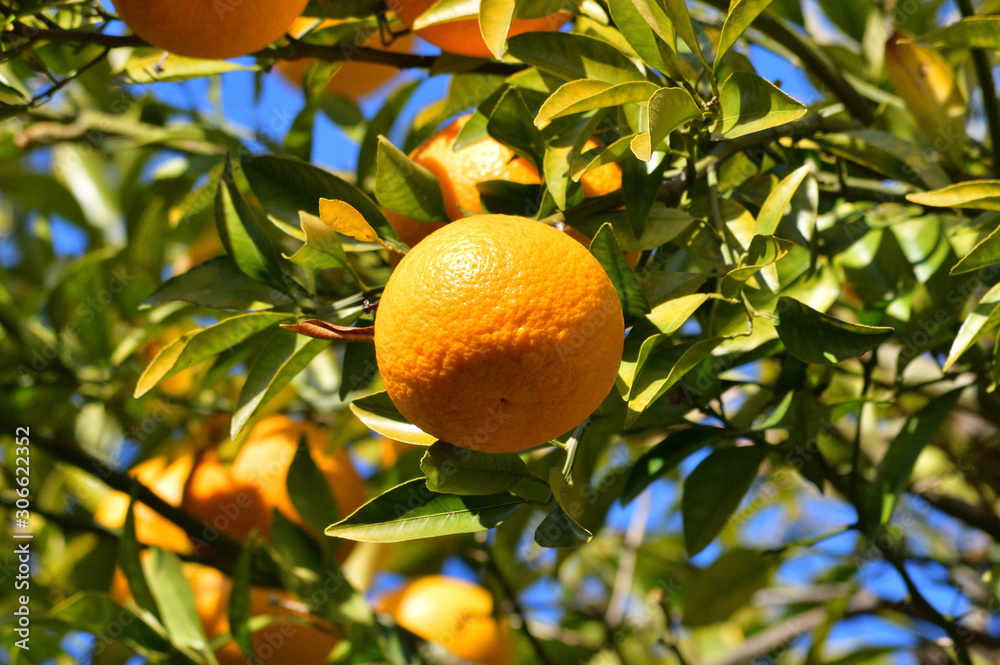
x=122, y=482
x=296, y=50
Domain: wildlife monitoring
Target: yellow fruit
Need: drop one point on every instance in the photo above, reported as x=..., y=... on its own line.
x=223, y=503
x=390, y=450
x=352, y=79
x=459, y=172
x=454, y=614
x=463, y=37
x=166, y=479
x=498, y=333
x=202, y=29
x=267, y=454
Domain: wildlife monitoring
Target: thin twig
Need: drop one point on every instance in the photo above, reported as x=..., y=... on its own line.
x=511, y=596
x=626, y=562
x=991, y=105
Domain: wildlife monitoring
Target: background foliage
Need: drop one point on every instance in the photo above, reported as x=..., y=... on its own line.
x=800, y=460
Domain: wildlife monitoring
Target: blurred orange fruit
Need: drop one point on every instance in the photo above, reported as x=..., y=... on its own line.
x=216, y=30
x=267, y=454
x=463, y=37
x=351, y=79
x=454, y=614
x=166, y=479
x=458, y=173
x=498, y=333
x=223, y=503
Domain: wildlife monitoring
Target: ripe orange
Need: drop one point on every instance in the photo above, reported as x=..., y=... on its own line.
x=267, y=454
x=453, y=613
x=225, y=504
x=216, y=30
x=458, y=173
x=463, y=37
x=352, y=79
x=281, y=642
x=498, y=333
x=166, y=478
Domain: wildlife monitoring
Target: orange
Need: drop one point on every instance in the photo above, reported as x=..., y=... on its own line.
x=283, y=641
x=454, y=614
x=267, y=454
x=352, y=79
x=209, y=29
x=390, y=450
x=498, y=333
x=166, y=478
x=463, y=37
x=458, y=173
x=223, y=503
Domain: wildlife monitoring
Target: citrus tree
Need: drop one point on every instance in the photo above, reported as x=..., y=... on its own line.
x=613, y=331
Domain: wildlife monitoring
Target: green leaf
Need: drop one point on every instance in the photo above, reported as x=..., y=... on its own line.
x=887, y=154
x=452, y=470
x=713, y=492
x=244, y=234
x=669, y=108
x=239, y=609
x=197, y=345
x=662, y=370
x=751, y=104
x=382, y=123
x=664, y=457
x=590, y=94
x=218, y=284
x=157, y=69
x=572, y=57
x=495, y=18
x=175, y=599
x=131, y=563
x=893, y=473
x=975, y=194
x=815, y=337
x=664, y=320
x=741, y=14
x=677, y=12
x=764, y=251
x=308, y=490
x=286, y=186
x=649, y=32
x=94, y=612
x=411, y=511
x=381, y=415
x=280, y=360
x=980, y=321
x=604, y=246
x=510, y=124
x=972, y=32
x=407, y=187
x=727, y=585
x=778, y=200
x=559, y=530
x=985, y=253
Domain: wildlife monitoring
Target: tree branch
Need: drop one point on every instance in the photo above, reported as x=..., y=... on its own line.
x=296, y=50
x=122, y=482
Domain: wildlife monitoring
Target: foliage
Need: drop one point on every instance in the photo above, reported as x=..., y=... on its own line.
x=802, y=440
